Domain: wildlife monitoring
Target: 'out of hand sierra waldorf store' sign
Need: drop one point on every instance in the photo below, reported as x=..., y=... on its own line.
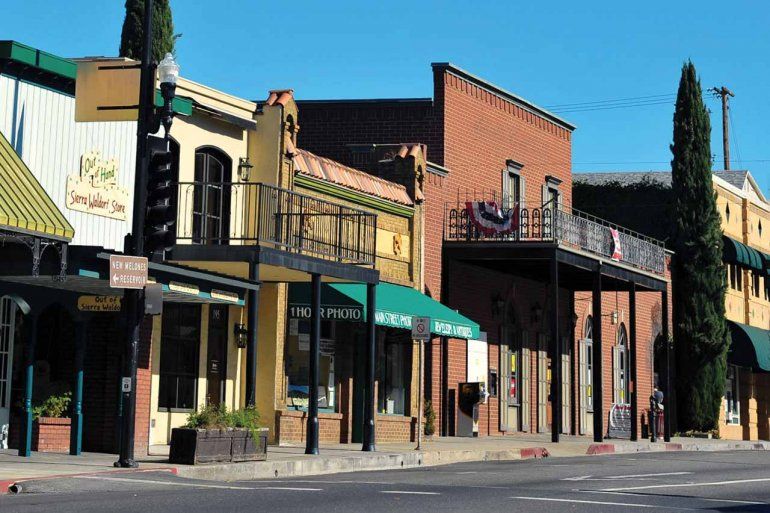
x=95, y=189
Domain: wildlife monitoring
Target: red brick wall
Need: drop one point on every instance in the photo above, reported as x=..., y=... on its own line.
x=51, y=435
x=395, y=428
x=292, y=427
x=143, y=390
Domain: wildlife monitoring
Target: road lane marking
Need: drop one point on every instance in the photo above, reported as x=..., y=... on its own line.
x=602, y=503
x=686, y=485
x=636, y=494
x=406, y=492
x=627, y=476
x=199, y=485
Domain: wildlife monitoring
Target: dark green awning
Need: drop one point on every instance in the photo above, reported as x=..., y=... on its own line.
x=735, y=252
x=396, y=305
x=749, y=347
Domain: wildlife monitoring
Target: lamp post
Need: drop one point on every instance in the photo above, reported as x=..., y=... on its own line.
x=147, y=120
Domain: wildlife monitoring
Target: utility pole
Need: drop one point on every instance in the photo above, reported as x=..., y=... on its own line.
x=133, y=308
x=724, y=92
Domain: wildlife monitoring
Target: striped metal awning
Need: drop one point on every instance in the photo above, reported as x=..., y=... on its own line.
x=25, y=207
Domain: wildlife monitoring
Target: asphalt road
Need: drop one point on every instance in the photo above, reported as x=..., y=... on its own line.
x=725, y=481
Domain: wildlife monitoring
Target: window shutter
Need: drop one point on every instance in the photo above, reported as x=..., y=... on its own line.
x=506, y=189
x=505, y=377
x=524, y=388
x=615, y=375
x=543, y=195
x=523, y=193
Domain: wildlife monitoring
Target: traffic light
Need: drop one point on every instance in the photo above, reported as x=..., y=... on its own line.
x=161, y=212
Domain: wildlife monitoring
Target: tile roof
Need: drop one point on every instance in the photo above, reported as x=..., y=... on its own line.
x=280, y=96
x=331, y=171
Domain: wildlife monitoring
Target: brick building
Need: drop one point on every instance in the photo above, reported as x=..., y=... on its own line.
x=490, y=149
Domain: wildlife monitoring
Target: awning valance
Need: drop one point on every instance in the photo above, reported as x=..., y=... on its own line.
x=735, y=252
x=749, y=346
x=396, y=305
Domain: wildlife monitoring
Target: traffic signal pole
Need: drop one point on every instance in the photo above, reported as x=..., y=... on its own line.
x=133, y=299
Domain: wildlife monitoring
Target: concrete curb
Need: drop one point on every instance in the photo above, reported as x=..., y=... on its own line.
x=308, y=467
x=634, y=447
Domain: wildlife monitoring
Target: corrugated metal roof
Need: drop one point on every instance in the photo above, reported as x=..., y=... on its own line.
x=331, y=171
x=24, y=204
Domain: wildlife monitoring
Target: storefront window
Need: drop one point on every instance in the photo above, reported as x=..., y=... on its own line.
x=620, y=367
x=732, y=402
x=393, y=371
x=297, y=352
x=179, y=348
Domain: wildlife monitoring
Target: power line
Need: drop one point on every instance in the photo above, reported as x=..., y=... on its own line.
x=618, y=106
x=631, y=98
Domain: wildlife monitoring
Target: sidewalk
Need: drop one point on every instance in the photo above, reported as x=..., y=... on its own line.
x=291, y=461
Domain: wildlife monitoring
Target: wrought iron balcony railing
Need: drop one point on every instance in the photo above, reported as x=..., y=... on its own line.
x=256, y=213
x=565, y=226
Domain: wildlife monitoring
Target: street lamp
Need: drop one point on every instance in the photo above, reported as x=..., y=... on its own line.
x=168, y=73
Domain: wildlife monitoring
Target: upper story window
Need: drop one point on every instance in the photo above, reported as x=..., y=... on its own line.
x=735, y=275
x=588, y=329
x=759, y=229
x=727, y=212
x=513, y=184
x=211, y=202
x=755, y=284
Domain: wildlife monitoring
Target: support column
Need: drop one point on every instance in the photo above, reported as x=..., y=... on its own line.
x=598, y=386
x=25, y=440
x=311, y=433
x=369, y=426
x=555, y=352
x=632, y=362
x=667, y=394
x=252, y=317
x=76, y=428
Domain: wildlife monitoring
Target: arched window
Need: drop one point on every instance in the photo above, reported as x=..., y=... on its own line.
x=620, y=367
x=588, y=329
x=211, y=202
x=586, y=378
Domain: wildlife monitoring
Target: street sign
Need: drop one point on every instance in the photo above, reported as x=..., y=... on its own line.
x=128, y=272
x=421, y=328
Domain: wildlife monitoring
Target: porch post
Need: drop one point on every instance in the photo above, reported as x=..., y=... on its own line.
x=555, y=352
x=25, y=440
x=369, y=426
x=252, y=317
x=597, y=358
x=667, y=394
x=311, y=433
x=632, y=361
x=76, y=428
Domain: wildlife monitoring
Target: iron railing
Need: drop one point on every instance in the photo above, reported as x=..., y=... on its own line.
x=563, y=225
x=256, y=213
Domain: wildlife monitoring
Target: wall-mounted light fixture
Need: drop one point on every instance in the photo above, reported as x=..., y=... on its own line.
x=241, y=335
x=498, y=305
x=537, y=313
x=244, y=168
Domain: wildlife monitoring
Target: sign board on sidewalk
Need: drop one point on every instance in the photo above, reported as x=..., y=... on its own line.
x=128, y=272
x=421, y=328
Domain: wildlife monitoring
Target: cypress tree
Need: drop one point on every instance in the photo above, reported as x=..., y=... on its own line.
x=700, y=331
x=162, y=28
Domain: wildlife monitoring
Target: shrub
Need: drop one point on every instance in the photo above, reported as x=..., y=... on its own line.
x=214, y=416
x=55, y=406
x=430, y=419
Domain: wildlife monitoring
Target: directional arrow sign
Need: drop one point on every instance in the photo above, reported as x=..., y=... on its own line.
x=128, y=272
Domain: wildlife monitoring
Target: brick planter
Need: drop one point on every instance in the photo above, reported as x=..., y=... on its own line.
x=194, y=446
x=51, y=434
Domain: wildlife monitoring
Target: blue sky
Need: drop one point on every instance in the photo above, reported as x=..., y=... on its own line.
x=553, y=53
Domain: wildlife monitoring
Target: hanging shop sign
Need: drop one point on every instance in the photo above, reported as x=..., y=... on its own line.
x=99, y=303
x=95, y=190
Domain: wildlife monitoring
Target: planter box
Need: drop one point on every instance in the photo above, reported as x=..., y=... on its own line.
x=194, y=446
x=51, y=434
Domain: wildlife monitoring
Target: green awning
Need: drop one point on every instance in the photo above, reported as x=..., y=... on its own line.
x=749, y=346
x=735, y=252
x=396, y=305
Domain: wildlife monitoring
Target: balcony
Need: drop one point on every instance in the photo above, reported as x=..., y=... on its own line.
x=527, y=223
x=260, y=214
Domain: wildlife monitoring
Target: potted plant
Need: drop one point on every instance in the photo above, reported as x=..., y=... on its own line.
x=51, y=424
x=215, y=434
